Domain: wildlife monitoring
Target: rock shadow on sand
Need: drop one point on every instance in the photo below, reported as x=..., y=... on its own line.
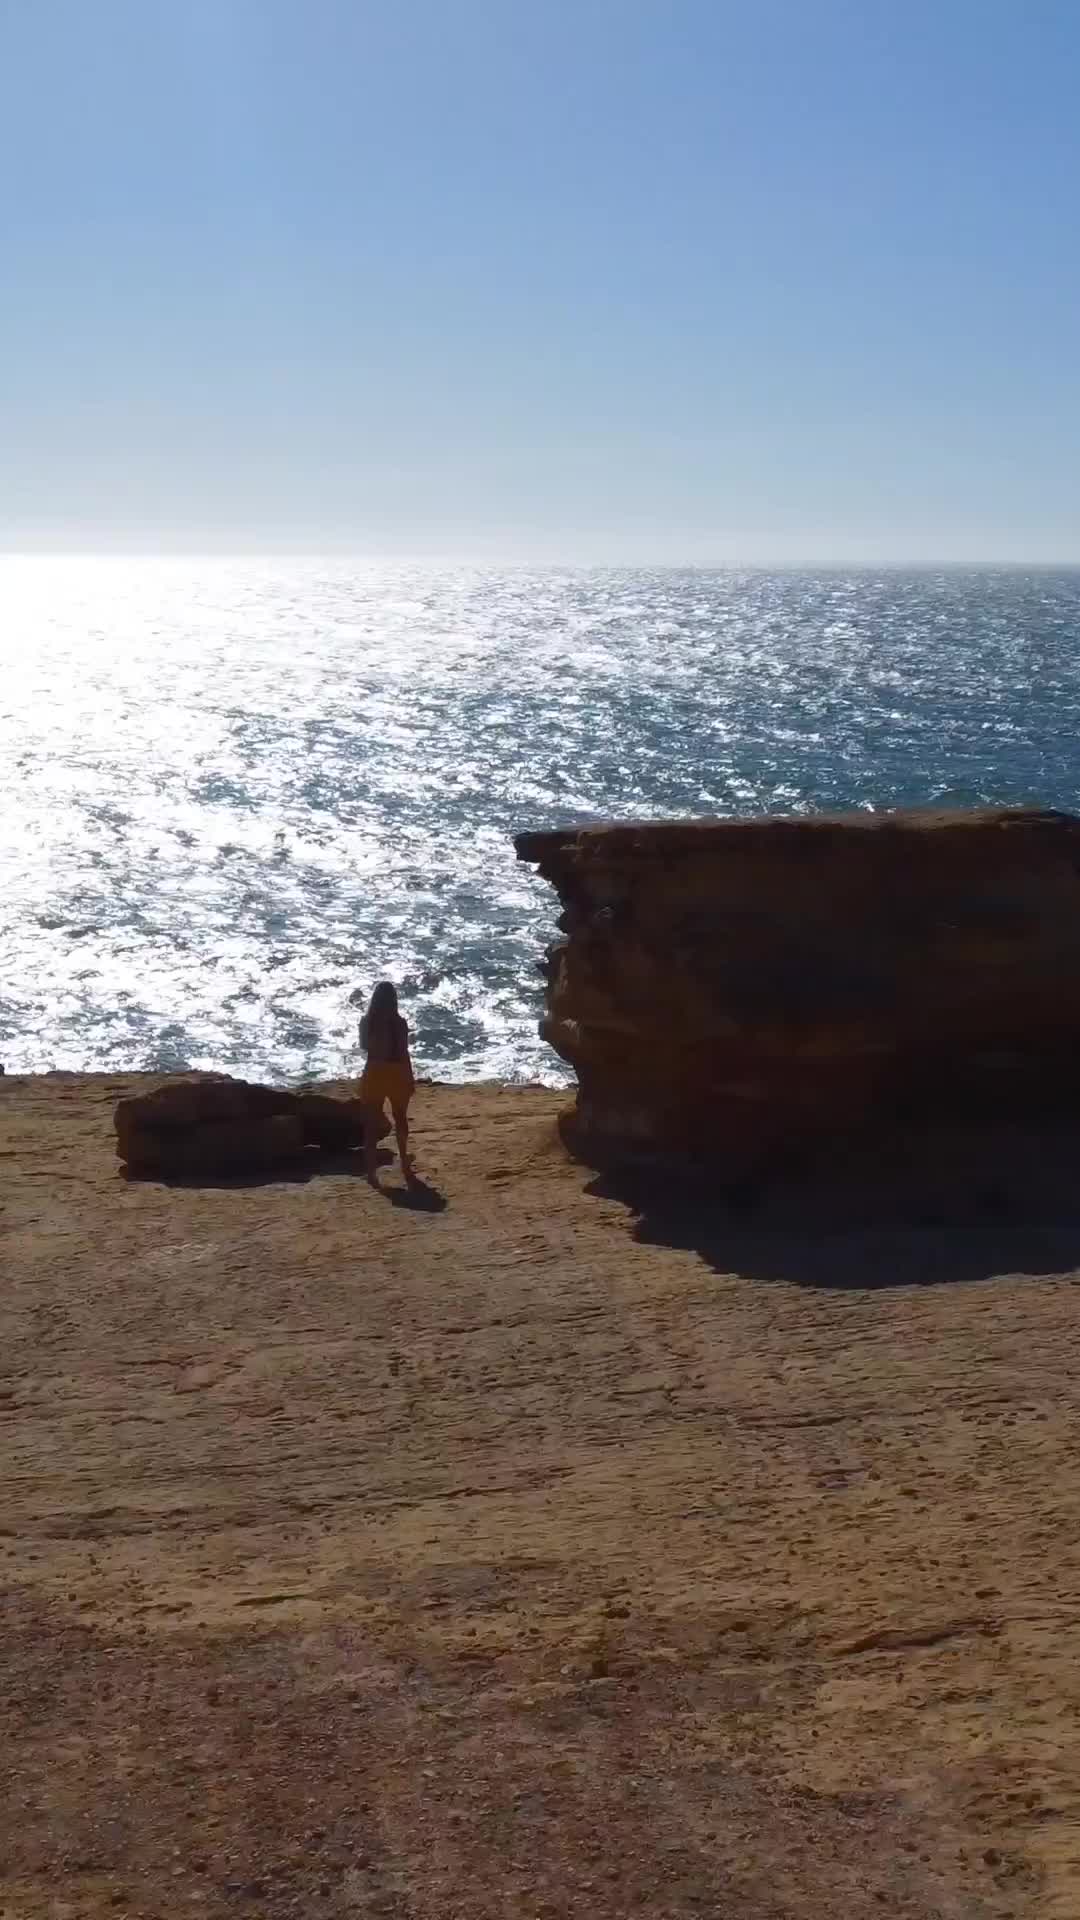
x=939, y=1212
x=416, y=1196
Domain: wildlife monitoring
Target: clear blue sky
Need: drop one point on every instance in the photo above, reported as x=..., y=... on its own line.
x=705, y=280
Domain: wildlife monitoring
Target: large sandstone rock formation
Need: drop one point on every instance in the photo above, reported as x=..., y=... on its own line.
x=748, y=987
x=210, y=1124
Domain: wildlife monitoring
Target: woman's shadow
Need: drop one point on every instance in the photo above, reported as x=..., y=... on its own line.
x=416, y=1196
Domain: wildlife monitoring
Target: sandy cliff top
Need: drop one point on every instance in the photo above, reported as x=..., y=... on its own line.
x=521, y=1552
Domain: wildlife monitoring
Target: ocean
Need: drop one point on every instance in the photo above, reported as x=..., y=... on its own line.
x=234, y=791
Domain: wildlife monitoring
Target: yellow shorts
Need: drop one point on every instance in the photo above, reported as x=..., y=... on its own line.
x=386, y=1080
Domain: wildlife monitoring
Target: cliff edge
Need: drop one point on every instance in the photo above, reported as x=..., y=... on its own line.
x=752, y=988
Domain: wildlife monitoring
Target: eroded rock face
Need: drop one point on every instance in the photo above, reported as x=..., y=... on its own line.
x=210, y=1124
x=738, y=987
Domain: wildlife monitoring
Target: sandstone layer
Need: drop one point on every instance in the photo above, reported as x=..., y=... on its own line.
x=202, y=1124
x=753, y=989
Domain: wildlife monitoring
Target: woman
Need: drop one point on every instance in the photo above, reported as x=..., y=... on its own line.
x=387, y=1075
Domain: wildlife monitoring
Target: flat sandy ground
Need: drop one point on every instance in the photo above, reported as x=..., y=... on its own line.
x=513, y=1554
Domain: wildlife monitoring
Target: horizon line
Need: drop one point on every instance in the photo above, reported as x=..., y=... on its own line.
x=519, y=561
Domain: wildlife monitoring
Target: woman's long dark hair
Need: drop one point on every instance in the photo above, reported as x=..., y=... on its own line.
x=382, y=1018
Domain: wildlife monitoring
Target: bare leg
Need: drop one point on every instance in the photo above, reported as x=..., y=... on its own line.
x=401, y=1128
x=372, y=1117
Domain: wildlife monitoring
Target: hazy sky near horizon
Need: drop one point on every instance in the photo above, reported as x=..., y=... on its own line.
x=715, y=281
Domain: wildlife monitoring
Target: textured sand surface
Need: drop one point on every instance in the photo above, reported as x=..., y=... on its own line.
x=511, y=1554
